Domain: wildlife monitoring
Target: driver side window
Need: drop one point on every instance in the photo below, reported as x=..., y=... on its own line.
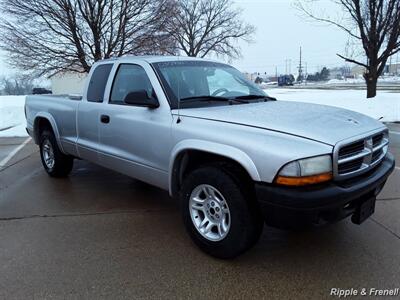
x=129, y=78
x=221, y=78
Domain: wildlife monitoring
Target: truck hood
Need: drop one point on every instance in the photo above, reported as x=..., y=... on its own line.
x=322, y=123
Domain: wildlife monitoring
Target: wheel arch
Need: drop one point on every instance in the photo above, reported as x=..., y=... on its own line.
x=45, y=120
x=186, y=150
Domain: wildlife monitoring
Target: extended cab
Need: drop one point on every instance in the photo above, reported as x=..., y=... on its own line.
x=234, y=156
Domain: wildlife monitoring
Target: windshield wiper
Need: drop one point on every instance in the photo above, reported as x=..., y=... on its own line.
x=207, y=98
x=204, y=98
x=267, y=98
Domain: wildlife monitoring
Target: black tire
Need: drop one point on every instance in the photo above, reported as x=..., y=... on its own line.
x=246, y=223
x=62, y=163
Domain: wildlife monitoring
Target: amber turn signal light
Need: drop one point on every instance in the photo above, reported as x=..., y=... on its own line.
x=300, y=181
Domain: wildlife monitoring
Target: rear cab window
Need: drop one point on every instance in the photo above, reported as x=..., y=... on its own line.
x=98, y=82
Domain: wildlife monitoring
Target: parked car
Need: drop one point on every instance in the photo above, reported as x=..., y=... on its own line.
x=233, y=156
x=40, y=91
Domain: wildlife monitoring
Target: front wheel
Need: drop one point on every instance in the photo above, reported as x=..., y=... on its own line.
x=56, y=163
x=219, y=214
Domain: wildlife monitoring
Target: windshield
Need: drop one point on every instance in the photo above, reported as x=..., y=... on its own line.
x=188, y=80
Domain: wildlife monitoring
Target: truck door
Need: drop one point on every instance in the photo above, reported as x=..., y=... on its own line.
x=134, y=139
x=88, y=114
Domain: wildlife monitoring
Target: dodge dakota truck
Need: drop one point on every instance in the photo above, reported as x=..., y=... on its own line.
x=234, y=157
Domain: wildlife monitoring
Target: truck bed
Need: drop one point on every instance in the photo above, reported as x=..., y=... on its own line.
x=61, y=110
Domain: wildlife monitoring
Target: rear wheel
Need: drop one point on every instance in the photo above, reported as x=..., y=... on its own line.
x=218, y=213
x=56, y=163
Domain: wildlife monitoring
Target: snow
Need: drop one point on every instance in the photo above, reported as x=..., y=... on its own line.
x=384, y=107
x=345, y=81
x=12, y=116
x=360, y=80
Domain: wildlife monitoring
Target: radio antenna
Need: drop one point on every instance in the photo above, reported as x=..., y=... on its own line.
x=179, y=93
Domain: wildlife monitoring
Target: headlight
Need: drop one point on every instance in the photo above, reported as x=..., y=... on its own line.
x=306, y=171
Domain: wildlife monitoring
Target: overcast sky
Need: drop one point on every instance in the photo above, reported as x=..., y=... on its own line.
x=280, y=33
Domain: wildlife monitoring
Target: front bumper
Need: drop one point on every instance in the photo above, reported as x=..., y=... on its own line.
x=287, y=207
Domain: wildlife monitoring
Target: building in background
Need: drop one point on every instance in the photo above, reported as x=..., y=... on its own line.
x=390, y=69
x=393, y=69
x=357, y=71
x=68, y=83
x=253, y=76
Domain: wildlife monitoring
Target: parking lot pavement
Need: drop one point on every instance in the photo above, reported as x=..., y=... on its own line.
x=14, y=149
x=99, y=234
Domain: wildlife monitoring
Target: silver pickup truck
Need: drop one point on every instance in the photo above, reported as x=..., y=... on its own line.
x=234, y=156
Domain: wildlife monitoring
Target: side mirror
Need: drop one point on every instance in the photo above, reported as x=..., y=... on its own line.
x=141, y=98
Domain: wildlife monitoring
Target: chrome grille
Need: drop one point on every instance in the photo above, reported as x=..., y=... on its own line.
x=351, y=149
x=350, y=166
x=357, y=156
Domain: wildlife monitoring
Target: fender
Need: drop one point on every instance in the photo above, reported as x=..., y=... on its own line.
x=48, y=117
x=220, y=149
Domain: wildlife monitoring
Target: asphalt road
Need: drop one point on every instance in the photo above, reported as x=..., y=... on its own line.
x=99, y=234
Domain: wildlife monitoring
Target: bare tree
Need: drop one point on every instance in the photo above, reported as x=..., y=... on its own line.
x=49, y=36
x=16, y=85
x=375, y=24
x=209, y=26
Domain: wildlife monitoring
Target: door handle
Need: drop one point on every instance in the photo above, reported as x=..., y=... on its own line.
x=105, y=119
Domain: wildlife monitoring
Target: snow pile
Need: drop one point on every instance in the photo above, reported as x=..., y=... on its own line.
x=389, y=79
x=360, y=80
x=345, y=81
x=384, y=107
x=12, y=116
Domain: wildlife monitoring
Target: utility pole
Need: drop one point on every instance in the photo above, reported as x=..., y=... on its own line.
x=288, y=66
x=305, y=74
x=276, y=72
x=300, y=68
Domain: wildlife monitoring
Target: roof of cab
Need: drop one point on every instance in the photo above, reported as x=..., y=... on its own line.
x=156, y=58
